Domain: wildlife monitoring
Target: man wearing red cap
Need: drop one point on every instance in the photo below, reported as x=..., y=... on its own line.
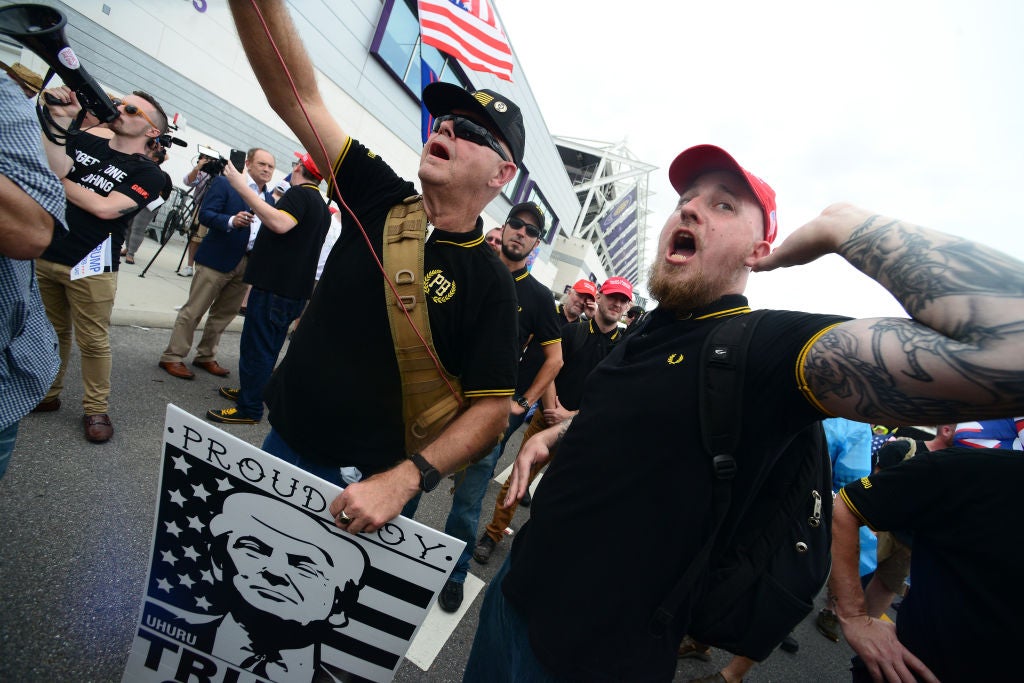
x=281, y=270
x=336, y=399
x=579, y=301
x=562, y=610
x=585, y=343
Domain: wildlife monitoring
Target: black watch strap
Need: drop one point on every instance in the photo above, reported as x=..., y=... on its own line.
x=429, y=476
x=523, y=403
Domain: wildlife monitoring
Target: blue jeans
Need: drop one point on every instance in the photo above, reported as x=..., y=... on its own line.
x=7, y=436
x=470, y=487
x=277, y=446
x=501, y=649
x=267, y=317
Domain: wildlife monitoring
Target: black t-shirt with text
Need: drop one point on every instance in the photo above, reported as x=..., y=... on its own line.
x=336, y=397
x=285, y=264
x=960, y=506
x=652, y=495
x=103, y=170
x=538, y=326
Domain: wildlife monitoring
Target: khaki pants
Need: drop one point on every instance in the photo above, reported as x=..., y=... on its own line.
x=503, y=516
x=211, y=290
x=84, y=306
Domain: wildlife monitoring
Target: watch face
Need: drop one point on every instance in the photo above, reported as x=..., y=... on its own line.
x=430, y=479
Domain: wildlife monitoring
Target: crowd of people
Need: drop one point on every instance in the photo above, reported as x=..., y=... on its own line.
x=508, y=356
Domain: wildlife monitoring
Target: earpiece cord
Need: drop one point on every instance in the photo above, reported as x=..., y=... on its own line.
x=341, y=202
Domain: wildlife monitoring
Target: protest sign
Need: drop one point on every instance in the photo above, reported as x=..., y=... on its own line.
x=250, y=580
x=94, y=262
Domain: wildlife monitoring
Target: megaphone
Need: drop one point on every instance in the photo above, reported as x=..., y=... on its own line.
x=41, y=29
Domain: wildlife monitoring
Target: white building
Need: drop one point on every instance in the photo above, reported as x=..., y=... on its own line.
x=186, y=54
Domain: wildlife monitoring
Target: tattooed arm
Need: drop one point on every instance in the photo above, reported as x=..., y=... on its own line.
x=536, y=451
x=962, y=355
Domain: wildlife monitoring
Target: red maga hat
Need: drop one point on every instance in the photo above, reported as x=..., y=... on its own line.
x=586, y=287
x=307, y=163
x=618, y=285
x=701, y=159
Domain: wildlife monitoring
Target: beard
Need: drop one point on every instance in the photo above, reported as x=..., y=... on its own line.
x=510, y=252
x=676, y=296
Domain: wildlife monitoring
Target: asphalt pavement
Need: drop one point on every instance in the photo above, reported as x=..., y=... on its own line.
x=77, y=518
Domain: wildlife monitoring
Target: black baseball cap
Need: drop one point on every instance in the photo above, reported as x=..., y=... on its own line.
x=443, y=98
x=531, y=208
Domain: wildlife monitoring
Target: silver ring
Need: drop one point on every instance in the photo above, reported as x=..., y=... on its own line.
x=343, y=518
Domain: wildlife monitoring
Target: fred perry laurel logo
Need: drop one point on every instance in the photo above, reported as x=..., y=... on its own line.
x=500, y=107
x=675, y=359
x=438, y=287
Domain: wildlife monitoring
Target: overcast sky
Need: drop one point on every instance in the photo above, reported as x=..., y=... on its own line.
x=911, y=109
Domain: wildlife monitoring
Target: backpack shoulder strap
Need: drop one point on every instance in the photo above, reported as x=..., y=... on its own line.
x=722, y=365
x=429, y=399
x=723, y=361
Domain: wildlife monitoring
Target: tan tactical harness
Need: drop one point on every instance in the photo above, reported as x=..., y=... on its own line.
x=428, y=404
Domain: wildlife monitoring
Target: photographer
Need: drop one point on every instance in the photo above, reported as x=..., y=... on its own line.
x=198, y=180
x=218, y=286
x=107, y=182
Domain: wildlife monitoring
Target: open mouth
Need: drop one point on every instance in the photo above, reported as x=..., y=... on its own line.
x=682, y=247
x=439, y=151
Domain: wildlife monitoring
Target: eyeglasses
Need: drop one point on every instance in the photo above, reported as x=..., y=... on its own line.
x=493, y=240
x=531, y=229
x=132, y=110
x=470, y=132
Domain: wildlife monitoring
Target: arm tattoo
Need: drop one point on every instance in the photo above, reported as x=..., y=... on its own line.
x=562, y=430
x=919, y=266
x=893, y=386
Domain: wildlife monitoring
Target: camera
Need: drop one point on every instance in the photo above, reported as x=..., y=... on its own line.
x=215, y=162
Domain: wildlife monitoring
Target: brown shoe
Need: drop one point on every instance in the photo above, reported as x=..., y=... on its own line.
x=212, y=367
x=47, y=405
x=98, y=427
x=177, y=369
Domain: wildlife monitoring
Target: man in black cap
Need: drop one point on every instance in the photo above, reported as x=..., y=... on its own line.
x=336, y=399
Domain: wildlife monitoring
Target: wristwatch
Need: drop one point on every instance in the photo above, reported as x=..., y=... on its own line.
x=523, y=403
x=429, y=477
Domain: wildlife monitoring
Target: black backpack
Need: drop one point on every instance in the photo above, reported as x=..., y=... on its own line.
x=768, y=556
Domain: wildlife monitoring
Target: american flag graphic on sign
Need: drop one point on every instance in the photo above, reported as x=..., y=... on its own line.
x=251, y=581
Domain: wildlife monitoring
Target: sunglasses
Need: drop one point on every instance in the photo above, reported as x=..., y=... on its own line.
x=471, y=132
x=493, y=240
x=132, y=110
x=531, y=229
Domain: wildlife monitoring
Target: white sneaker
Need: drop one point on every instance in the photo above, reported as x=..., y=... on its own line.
x=186, y=272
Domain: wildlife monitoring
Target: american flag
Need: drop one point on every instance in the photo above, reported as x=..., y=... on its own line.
x=468, y=30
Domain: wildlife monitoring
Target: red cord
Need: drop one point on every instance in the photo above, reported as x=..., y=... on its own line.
x=341, y=202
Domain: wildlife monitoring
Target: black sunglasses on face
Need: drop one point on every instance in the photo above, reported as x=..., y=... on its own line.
x=531, y=229
x=471, y=132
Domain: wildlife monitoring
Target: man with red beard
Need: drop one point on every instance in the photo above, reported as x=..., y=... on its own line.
x=561, y=610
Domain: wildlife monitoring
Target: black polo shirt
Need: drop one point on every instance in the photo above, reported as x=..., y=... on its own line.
x=648, y=499
x=538, y=326
x=336, y=396
x=580, y=358
x=285, y=264
x=960, y=505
